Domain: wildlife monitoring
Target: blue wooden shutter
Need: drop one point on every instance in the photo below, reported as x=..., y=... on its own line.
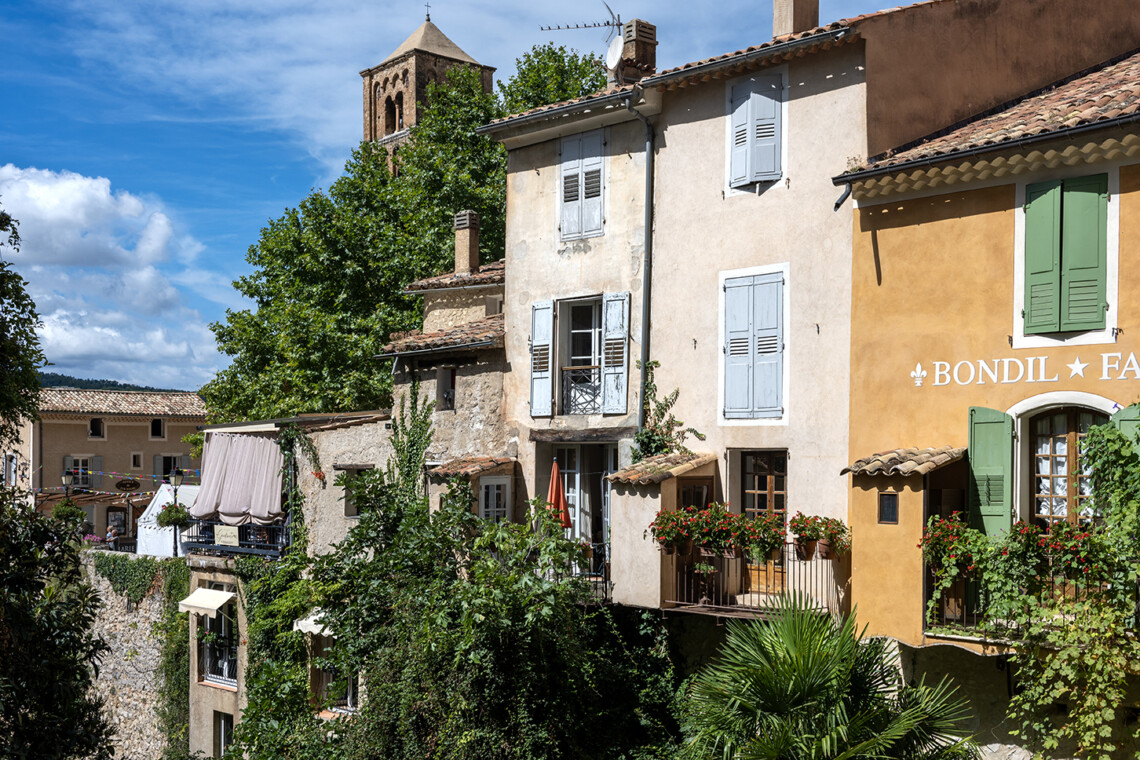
x=768, y=349
x=570, y=189
x=615, y=338
x=1084, y=252
x=96, y=472
x=740, y=110
x=765, y=129
x=738, y=347
x=1042, y=258
x=593, y=207
x=541, y=358
x=991, y=469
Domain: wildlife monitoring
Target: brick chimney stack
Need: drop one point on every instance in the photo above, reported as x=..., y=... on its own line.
x=466, y=242
x=639, y=53
x=794, y=16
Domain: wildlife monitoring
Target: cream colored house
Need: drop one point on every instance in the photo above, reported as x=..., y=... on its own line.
x=120, y=446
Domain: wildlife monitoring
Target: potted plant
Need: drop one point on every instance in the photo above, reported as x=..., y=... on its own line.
x=672, y=531
x=764, y=536
x=1075, y=553
x=91, y=541
x=174, y=515
x=809, y=529
x=716, y=531
x=953, y=552
x=836, y=538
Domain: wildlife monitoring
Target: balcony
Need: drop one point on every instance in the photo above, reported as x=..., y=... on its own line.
x=215, y=537
x=217, y=659
x=749, y=586
x=582, y=390
x=595, y=570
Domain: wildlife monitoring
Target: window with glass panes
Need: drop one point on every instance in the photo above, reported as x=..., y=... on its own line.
x=765, y=485
x=1062, y=485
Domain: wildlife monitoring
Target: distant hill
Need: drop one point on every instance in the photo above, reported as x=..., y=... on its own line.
x=56, y=380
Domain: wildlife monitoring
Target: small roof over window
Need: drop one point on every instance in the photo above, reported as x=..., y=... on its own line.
x=906, y=461
x=206, y=601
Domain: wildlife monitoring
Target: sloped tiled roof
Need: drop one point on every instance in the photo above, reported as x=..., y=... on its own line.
x=142, y=403
x=660, y=468
x=429, y=39
x=494, y=273
x=466, y=467
x=1109, y=92
x=489, y=329
x=808, y=34
x=906, y=461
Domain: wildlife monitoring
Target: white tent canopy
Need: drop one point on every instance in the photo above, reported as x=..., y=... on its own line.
x=154, y=539
x=241, y=480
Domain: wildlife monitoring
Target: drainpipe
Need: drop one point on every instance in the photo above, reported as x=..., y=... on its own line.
x=647, y=261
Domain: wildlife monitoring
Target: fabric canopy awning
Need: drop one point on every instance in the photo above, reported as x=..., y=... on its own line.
x=205, y=601
x=241, y=480
x=311, y=624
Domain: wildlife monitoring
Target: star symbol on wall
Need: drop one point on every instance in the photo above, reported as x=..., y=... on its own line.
x=1077, y=367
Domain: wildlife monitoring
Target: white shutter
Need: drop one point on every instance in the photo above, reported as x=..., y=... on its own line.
x=764, y=163
x=768, y=326
x=738, y=347
x=570, y=188
x=615, y=340
x=541, y=358
x=593, y=206
x=738, y=144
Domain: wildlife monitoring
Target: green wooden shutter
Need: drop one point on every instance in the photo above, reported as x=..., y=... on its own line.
x=991, y=469
x=1084, y=252
x=1127, y=421
x=1042, y=258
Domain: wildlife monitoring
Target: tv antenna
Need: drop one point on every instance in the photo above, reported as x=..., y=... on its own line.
x=613, y=25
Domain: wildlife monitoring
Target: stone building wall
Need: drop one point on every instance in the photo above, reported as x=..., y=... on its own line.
x=129, y=679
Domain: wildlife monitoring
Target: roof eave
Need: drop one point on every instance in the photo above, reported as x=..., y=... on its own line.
x=601, y=111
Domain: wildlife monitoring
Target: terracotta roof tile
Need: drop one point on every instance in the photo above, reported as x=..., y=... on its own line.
x=489, y=329
x=660, y=468
x=572, y=101
x=489, y=274
x=1108, y=92
x=817, y=31
x=143, y=403
x=466, y=467
x=350, y=421
x=906, y=461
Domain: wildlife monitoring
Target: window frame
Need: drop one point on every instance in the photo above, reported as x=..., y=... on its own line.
x=769, y=491
x=1072, y=474
x=446, y=381
x=1112, y=262
x=348, y=502
x=138, y=454
x=503, y=481
x=786, y=389
x=879, y=503
x=226, y=623
x=102, y=429
x=150, y=430
x=82, y=472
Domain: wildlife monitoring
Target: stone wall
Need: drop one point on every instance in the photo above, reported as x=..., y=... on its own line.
x=129, y=680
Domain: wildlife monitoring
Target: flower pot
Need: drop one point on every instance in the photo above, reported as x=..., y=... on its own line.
x=685, y=548
x=805, y=548
x=824, y=549
x=669, y=549
x=735, y=552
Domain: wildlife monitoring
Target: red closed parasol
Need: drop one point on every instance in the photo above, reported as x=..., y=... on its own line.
x=557, y=497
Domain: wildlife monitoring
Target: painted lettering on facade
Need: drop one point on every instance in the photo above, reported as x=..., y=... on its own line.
x=1112, y=365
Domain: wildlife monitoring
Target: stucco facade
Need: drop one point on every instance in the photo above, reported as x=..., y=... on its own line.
x=212, y=702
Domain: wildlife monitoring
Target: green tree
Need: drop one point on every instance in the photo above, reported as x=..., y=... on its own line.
x=20, y=354
x=48, y=653
x=806, y=685
x=550, y=74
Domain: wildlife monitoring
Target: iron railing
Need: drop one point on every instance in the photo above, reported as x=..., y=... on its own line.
x=581, y=390
x=703, y=581
x=595, y=570
x=217, y=659
x=266, y=540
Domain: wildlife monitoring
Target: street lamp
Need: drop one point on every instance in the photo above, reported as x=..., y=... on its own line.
x=176, y=478
x=68, y=479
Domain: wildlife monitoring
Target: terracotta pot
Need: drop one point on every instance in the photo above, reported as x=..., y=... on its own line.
x=825, y=550
x=685, y=548
x=805, y=548
x=669, y=549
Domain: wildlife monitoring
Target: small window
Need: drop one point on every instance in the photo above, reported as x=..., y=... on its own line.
x=351, y=508
x=341, y=694
x=223, y=732
x=445, y=389
x=96, y=429
x=217, y=644
x=888, y=508
x=695, y=492
x=494, y=305
x=495, y=498
x=136, y=460
x=157, y=429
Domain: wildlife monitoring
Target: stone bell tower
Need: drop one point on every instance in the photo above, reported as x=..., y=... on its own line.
x=394, y=90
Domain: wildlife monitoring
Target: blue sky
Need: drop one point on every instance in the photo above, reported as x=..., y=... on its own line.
x=144, y=143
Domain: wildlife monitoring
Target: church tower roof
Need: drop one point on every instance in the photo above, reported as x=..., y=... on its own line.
x=429, y=39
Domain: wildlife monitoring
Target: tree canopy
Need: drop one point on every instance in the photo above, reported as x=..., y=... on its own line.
x=20, y=354
x=329, y=275
x=550, y=74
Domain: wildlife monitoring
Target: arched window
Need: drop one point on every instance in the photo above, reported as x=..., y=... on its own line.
x=1061, y=483
x=399, y=110
x=389, y=116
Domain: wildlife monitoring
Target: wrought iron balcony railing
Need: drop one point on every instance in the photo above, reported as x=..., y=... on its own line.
x=215, y=537
x=581, y=390
x=217, y=660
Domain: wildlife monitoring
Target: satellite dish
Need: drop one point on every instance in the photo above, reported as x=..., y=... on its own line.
x=613, y=54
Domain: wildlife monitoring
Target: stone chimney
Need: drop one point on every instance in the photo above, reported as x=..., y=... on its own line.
x=794, y=16
x=639, y=53
x=466, y=242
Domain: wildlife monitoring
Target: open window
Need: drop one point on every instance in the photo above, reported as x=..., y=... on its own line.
x=158, y=429
x=96, y=429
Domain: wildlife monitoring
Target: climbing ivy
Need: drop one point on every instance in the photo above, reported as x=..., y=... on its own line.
x=173, y=632
x=129, y=575
x=661, y=433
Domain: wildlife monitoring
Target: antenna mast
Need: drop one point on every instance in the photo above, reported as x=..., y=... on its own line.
x=614, y=24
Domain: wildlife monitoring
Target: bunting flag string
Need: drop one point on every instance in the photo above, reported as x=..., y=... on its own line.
x=88, y=491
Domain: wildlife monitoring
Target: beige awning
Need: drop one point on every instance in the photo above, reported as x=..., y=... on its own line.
x=205, y=601
x=311, y=624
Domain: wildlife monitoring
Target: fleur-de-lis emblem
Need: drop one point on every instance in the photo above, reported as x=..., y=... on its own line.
x=919, y=374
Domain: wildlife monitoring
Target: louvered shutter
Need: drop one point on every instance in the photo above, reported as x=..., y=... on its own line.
x=157, y=470
x=185, y=462
x=991, y=469
x=1084, y=252
x=1042, y=258
x=740, y=110
x=1127, y=421
x=97, y=472
x=738, y=347
x=615, y=337
x=541, y=358
x=571, y=187
x=768, y=349
x=593, y=207
x=68, y=464
x=765, y=134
